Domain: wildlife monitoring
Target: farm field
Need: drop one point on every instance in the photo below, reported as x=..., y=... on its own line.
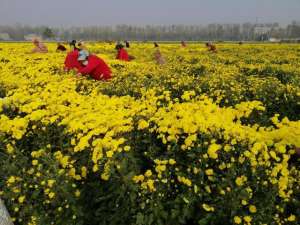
x=207, y=138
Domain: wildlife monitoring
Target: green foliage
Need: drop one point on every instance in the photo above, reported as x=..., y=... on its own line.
x=48, y=33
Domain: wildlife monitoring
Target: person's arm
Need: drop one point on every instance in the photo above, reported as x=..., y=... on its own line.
x=67, y=63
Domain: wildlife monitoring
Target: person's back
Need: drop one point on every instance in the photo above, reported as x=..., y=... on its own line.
x=96, y=68
x=61, y=48
x=158, y=57
x=211, y=47
x=43, y=48
x=122, y=55
x=39, y=47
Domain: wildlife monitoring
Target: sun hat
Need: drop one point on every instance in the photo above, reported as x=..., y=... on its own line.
x=83, y=54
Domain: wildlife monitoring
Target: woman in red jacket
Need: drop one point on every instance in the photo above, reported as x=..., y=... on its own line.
x=94, y=66
x=122, y=53
x=71, y=61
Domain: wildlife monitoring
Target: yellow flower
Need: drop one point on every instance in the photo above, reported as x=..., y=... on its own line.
x=100, y=124
x=83, y=172
x=51, y=195
x=104, y=176
x=9, y=149
x=292, y=218
x=150, y=184
x=50, y=183
x=247, y=219
x=172, y=162
x=64, y=161
x=148, y=173
x=109, y=154
x=190, y=140
x=237, y=220
x=143, y=124
x=252, y=209
x=227, y=148
x=208, y=208
x=21, y=199
x=209, y=172
x=185, y=181
x=240, y=180
x=77, y=193
x=244, y=202
x=35, y=162
x=207, y=188
x=127, y=148
x=212, y=151
x=11, y=180
x=95, y=168
x=138, y=179
x=160, y=168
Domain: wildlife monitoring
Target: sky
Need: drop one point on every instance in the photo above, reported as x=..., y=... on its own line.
x=140, y=12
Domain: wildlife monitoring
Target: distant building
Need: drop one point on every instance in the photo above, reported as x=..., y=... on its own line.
x=4, y=37
x=262, y=30
x=274, y=40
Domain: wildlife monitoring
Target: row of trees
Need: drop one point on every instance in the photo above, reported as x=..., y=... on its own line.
x=226, y=32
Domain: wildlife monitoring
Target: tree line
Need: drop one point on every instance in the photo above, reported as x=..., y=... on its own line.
x=221, y=32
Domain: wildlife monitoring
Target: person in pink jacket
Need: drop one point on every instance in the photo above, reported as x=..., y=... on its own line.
x=39, y=46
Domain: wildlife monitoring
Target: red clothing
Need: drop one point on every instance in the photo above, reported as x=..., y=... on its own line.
x=61, y=48
x=123, y=55
x=212, y=48
x=96, y=68
x=71, y=61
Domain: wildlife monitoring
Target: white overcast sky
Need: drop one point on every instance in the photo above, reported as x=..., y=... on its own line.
x=140, y=12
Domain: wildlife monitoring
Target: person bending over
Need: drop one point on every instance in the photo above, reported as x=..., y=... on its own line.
x=94, y=66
